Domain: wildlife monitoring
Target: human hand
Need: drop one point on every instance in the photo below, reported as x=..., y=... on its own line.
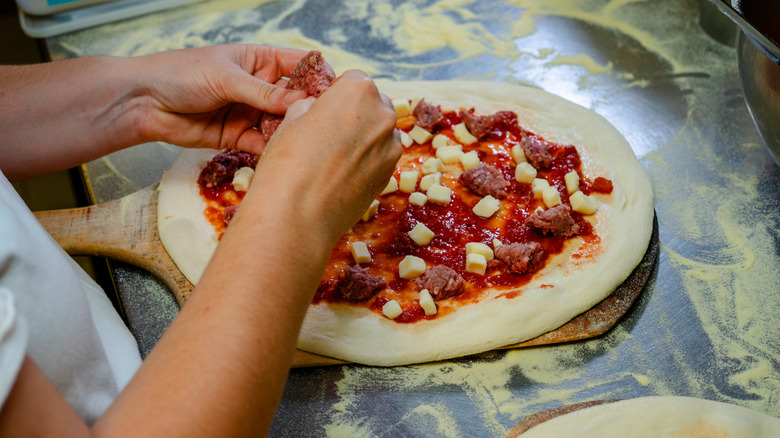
x=332, y=156
x=215, y=96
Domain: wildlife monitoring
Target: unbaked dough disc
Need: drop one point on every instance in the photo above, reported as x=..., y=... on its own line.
x=556, y=294
x=660, y=417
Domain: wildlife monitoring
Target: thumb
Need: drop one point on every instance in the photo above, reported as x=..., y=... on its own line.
x=298, y=108
x=262, y=95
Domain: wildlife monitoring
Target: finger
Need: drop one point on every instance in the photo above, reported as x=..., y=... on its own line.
x=262, y=95
x=298, y=108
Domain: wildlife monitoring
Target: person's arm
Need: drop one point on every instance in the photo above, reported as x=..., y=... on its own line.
x=61, y=114
x=220, y=368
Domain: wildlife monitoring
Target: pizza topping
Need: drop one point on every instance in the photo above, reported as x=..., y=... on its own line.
x=583, y=204
x=411, y=267
x=449, y=154
x=520, y=258
x=481, y=126
x=470, y=160
x=357, y=284
x=476, y=263
x=432, y=165
x=572, y=180
x=518, y=155
x=222, y=168
x=440, y=140
x=391, y=186
x=525, y=173
x=439, y=194
x=427, y=115
x=372, y=209
x=360, y=252
x=431, y=179
x=479, y=248
x=538, y=186
x=427, y=303
x=462, y=134
x=421, y=234
x=392, y=309
x=311, y=75
x=402, y=107
x=406, y=139
x=487, y=207
x=242, y=178
x=442, y=282
x=230, y=211
x=551, y=197
x=602, y=185
x=408, y=181
x=418, y=199
x=420, y=135
x=537, y=152
x=557, y=221
x=485, y=180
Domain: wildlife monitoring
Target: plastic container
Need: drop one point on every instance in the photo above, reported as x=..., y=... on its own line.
x=46, y=7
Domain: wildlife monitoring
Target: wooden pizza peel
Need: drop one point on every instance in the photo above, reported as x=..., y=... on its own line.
x=126, y=230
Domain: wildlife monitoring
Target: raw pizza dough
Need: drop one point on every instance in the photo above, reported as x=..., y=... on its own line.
x=661, y=417
x=623, y=223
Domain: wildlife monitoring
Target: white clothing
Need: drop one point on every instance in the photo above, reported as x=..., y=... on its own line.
x=75, y=336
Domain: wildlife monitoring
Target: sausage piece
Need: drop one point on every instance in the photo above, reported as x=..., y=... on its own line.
x=357, y=284
x=520, y=258
x=556, y=220
x=485, y=180
x=442, y=282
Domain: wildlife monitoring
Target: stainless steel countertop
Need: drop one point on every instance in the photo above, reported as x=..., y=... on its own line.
x=663, y=72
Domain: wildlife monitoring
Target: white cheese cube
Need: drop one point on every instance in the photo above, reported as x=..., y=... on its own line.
x=418, y=199
x=440, y=140
x=392, y=309
x=432, y=165
x=419, y=134
x=476, y=263
x=486, y=206
x=242, y=178
x=428, y=180
x=411, y=267
x=449, y=154
x=439, y=194
x=583, y=204
x=408, y=181
x=497, y=243
x=572, y=180
x=427, y=303
x=538, y=185
x=406, y=139
x=360, y=252
x=551, y=197
x=372, y=209
x=402, y=107
x=525, y=173
x=479, y=248
x=462, y=134
x=518, y=154
x=391, y=186
x=421, y=234
x=415, y=101
x=469, y=160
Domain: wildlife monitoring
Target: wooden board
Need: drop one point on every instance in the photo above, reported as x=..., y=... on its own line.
x=540, y=417
x=126, y=230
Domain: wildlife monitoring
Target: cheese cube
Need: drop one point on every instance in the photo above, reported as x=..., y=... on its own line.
x=242, y=178
x=432, y=165
x=551, y=197
x=402, y=107
x=406, y=139
x=439, y=194
x=497, y=243
x=419, y=134
x=462, y=134
x=583, y=204
x=469, y=160
x=408, y=181
x=427, y=303
x=525, y=173
x=428, y=180
x=486, y=207
x=572, y=180
x=449, y=154
x=518, y=154
x=418, y=199
x=476, y=263
x=421, y=234
x=538, y=185
x=392, y=309
x=372, y=209
x=411, y=267
x=479, y=248
x=360, y=252
x=440, y=140
x=391, y=186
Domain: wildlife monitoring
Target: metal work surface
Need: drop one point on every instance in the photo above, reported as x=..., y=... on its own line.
x=707, y=323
